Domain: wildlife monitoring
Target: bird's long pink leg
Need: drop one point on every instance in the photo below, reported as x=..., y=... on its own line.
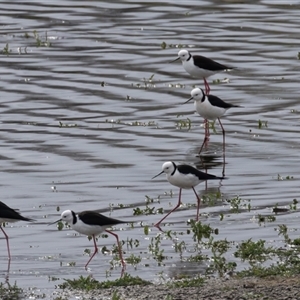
x=96, y=251
x=119, y=248
x=223, y=132
x=207, y=88
x=178, y=204
x=198, y=204
x=7, y=242
x=206, y=137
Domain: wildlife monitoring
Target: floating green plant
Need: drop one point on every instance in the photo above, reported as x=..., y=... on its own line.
x=237, y=204
x=10, y=292
x=262, y=124
x=6, y=51
x=39, y=41
x=61, y=124
x=184, y=123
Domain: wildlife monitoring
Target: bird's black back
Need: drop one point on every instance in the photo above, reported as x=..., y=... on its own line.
x=8, y=213
x=94, y=218
x=186, y=169
x=208, y=64
x=216, y=101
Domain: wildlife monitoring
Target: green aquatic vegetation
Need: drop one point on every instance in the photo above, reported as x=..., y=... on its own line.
x=146, y=230
x=88, y=283
x=262, y=124
x=178, y=46
x=218, y=263
x=254, y=253
x=53, y=278
x=155, y=250
x=218, y=81
x=147, y=83
x=176, y=85
x=39, y=41
x=113, y=121
x=61, y=124
x=133, y=260
x=183, y=124
x=132, y=243
x=201, y=230
x=197, y=258
x=10, y=292
x=281, y=178
x=186, y=282
x=150, y=200
x=163, y=45
x=144, y=124
x=211, y=199
x=147, y=211
x=293, y=205
x=237, y=204
x=6, y=51
x=261, y=219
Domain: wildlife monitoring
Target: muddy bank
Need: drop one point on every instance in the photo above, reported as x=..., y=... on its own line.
x=215, y=289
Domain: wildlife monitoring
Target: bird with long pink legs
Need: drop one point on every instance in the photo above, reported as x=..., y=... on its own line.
x=184, y=177
x=210, y=107
x=92, y=223
x=199, y=66
x=9, y=215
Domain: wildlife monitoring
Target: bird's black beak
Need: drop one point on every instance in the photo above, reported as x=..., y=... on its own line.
x=55, y=222
x=157, y=174
x=175, y=59
x=188, y=100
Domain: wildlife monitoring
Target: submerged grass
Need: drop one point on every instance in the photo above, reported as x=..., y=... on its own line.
x=10, y=292
x=88, y=283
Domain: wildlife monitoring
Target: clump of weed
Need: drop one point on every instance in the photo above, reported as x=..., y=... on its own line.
x=10, y=292
x=88, y=283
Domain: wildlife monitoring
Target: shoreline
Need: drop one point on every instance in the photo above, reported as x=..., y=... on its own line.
x=273, y=287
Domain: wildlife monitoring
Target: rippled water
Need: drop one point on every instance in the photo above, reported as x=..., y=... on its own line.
x=84, y=125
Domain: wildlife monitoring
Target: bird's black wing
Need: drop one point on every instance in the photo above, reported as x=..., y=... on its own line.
x=216, y=101
x=94, y=218
x=186, y=169
x=8, y=213
x=208, y=64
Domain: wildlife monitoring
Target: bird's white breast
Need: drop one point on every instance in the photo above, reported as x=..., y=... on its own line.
x=208, y=111
x=88, y=229
x=184, y=181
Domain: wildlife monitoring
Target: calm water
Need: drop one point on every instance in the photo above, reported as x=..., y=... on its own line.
x=121, y=124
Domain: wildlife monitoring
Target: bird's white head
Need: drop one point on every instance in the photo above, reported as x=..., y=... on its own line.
x=168, y=168
x=197, y=94
x=184, y=55
x=67, y=216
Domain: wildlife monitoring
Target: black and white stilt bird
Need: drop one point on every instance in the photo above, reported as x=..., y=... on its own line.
x=210, y=107
x=200, y=66
x=92, y=224
x=184, y=177
x=8, y=214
